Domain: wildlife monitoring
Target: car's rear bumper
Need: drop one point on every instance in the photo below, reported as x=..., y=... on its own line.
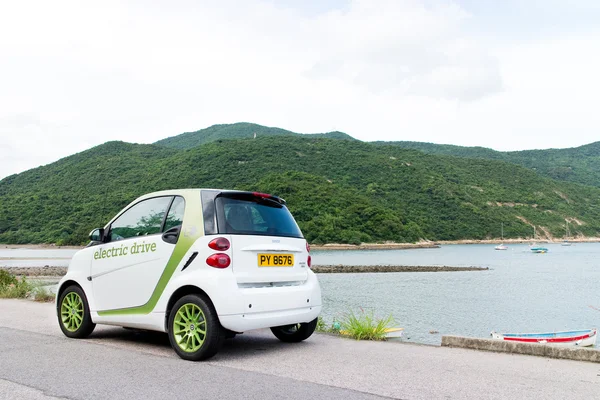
x=246, y=322
x=263, y=307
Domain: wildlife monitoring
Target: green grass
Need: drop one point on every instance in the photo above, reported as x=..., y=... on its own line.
x=365, y=326
x=361, y=326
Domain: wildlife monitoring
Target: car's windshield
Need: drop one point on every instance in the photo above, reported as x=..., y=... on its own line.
x=248, y=215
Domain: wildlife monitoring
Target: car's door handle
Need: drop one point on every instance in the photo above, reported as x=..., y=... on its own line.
x=171, y=235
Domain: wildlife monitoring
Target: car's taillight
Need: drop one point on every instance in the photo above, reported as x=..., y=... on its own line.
x=269, y=196
x=309, y=261
x=307, y=246
x=262, y=195
x=219, y=244
x=219, y=260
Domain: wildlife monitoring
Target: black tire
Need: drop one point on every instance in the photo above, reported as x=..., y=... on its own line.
x=295, y=333
x=214, y=333
x=86, y=326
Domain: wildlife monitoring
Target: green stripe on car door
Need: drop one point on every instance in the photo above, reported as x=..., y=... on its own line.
x=191, y=229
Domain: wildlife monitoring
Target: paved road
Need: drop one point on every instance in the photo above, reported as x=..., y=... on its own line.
x=38, y=362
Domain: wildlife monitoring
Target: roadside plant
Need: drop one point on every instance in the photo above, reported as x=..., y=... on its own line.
x=6, y=279
x=12, y=287
x=322, y=326
x=365, y=326
x=43, y=295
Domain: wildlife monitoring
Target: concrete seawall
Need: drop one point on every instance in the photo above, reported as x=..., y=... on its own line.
x=532, y=349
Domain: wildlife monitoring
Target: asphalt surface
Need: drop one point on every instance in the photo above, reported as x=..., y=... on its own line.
x=38, y=362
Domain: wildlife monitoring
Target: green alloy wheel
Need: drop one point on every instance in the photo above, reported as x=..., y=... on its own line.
x=189, y=327
x=71, y=311
x=194, y=329
x=74, y=313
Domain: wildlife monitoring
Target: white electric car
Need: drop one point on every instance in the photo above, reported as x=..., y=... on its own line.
x=199, y=264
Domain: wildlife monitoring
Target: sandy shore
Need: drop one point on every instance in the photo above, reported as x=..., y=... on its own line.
x=433, y=245
x=375, y=246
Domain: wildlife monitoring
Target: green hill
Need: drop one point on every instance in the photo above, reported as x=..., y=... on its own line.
x=240, y=130
x=577, y=164
x=338, y=190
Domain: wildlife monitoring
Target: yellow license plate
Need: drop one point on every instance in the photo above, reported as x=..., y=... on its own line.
x=275, y=260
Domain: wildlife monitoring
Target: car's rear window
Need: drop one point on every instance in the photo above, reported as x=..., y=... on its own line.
x=249, y=215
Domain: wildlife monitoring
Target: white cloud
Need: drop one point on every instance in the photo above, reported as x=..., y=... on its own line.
x=404, y=47
x=76, y=74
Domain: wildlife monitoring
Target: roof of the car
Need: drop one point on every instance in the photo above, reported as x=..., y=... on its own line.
x=180, y=192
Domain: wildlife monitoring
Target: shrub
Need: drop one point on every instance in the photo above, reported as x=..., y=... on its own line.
x=6, y=279
x=365, y=326
x=13, y=288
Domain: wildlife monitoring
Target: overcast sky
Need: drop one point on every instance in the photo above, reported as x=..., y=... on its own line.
x=510, y=75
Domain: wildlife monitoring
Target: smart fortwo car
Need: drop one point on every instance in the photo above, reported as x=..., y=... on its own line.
x=199, y=264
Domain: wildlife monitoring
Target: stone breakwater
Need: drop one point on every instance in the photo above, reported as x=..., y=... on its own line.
x=36, y=271
x=320, y=269
x=336, y=269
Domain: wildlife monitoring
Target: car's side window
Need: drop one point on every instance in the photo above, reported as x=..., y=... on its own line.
x=175, y=215
x=144, y=218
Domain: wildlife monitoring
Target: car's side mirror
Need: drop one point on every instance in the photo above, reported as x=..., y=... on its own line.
x=97, y=235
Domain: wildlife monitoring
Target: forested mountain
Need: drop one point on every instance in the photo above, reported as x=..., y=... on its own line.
x=577, y=164
x=240, y=130
x=338, y=190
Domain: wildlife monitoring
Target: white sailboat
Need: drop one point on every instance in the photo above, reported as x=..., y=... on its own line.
x=501, y=246
x=567, y=236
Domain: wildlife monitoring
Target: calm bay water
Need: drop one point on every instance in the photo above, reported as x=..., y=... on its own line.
x=522, y=291
x=35, y=257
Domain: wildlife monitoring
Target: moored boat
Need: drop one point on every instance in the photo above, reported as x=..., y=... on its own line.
x=534, y=247
x=501, y=246
x=581, y=338
x=539, y=249
x=567, y=236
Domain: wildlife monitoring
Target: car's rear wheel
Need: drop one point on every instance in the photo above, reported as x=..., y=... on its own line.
x=194, y=329
x=296, y=332
x=74, y=313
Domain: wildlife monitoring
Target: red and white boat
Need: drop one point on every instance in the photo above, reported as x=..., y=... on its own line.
x=581, y=338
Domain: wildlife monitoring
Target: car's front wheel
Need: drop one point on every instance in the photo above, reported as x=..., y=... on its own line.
x=195, y=332
x=74, y=313
x=296, y=332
